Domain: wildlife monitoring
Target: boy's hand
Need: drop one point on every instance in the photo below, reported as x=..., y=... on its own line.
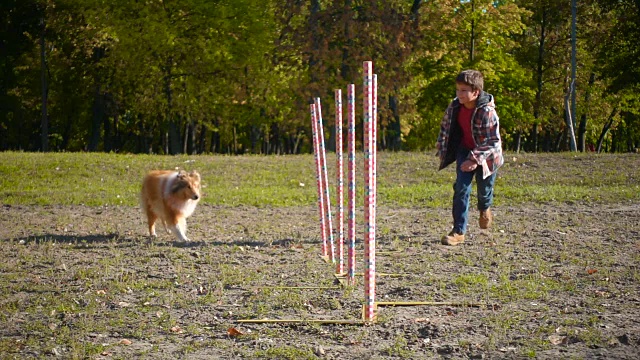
x=468, y=165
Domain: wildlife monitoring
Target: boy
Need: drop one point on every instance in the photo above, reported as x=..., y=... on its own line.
x=470, y=137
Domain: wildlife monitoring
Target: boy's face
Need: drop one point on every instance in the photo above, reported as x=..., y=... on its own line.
x=466, y=95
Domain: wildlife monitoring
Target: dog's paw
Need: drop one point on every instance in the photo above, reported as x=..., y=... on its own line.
x=182, y=238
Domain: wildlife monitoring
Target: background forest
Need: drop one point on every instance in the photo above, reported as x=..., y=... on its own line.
x=237, y=76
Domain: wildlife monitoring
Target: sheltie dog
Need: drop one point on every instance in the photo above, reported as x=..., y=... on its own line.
x=170, y=196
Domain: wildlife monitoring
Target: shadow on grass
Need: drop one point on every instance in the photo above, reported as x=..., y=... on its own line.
x=115, y=239
x=253, y=243
x=79, y=241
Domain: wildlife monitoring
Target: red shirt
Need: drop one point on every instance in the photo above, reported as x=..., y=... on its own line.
x=464, y=119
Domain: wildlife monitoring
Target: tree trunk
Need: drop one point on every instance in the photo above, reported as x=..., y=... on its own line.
x=116, y=133
x=614, y=141
x=173, y=138
x=315, y=40
x=265, y=135
x=185, y=140
x=569, y=118
x=344, y=68
x=107, y=134
x=275, y=139
x=547, y=141
x=44, y=126
x=173, y=133
x=296, y=145
x=605, y=129
x=394, y=140
x=473, y=34
x=561, y=143
x=573, y=69
x=96, y=118
x=189, y=142
x=215, y=145
x=538, y=101
x=192, y=148
x=202, y=139
x=235, y=140
x=67, y=133
x=254, y=137
x=582, y=128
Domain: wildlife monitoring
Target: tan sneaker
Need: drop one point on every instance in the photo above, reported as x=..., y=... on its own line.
x=485, y=219
x=453, y=239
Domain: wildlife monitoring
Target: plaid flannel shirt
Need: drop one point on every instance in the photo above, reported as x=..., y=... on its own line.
x=486, y=135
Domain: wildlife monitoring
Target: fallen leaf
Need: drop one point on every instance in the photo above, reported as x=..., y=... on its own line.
x=177, y=330
x=125, y=342
x=592, y=271
x=234, y=332
x=557, y=339
x=106, y=353
x=421, y=320
x=602, y=293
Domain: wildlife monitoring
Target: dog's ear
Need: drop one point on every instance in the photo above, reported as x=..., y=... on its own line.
x=195, y=175
x=182, y=174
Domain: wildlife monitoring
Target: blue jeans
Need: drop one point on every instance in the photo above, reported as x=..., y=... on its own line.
x=462, y=192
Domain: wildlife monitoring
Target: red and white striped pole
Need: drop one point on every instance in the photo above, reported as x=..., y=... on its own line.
x=351, y=175
x=374, y=147
x=325, y=182
x=316, y=152
x=339, y=184
x=369, y=196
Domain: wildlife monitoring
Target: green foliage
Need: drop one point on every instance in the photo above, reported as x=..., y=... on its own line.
x=505, y=78
x=193, y=76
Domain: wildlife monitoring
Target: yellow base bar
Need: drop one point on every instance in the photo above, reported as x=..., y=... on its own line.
x=309, y=321
x=387, y=252
x=430, y=303
x=377, y=274
x=297, y=287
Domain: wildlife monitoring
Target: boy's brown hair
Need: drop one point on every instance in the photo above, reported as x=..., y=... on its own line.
x=472, y=78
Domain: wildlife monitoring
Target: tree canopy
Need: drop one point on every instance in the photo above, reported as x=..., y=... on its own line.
x=191, y=76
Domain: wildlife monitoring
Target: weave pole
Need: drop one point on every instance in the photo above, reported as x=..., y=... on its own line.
x=351, y=175
x=374, y=148
x=325, y=182
x=369, y=197
x=339, y=184
x=316, y=152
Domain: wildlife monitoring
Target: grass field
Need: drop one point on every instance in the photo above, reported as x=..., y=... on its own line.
x=404, y=179
x=558, y=272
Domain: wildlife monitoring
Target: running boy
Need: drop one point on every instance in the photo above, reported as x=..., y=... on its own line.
x=470, y=137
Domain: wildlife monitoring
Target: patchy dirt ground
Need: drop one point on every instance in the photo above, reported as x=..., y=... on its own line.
x=559, y=281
